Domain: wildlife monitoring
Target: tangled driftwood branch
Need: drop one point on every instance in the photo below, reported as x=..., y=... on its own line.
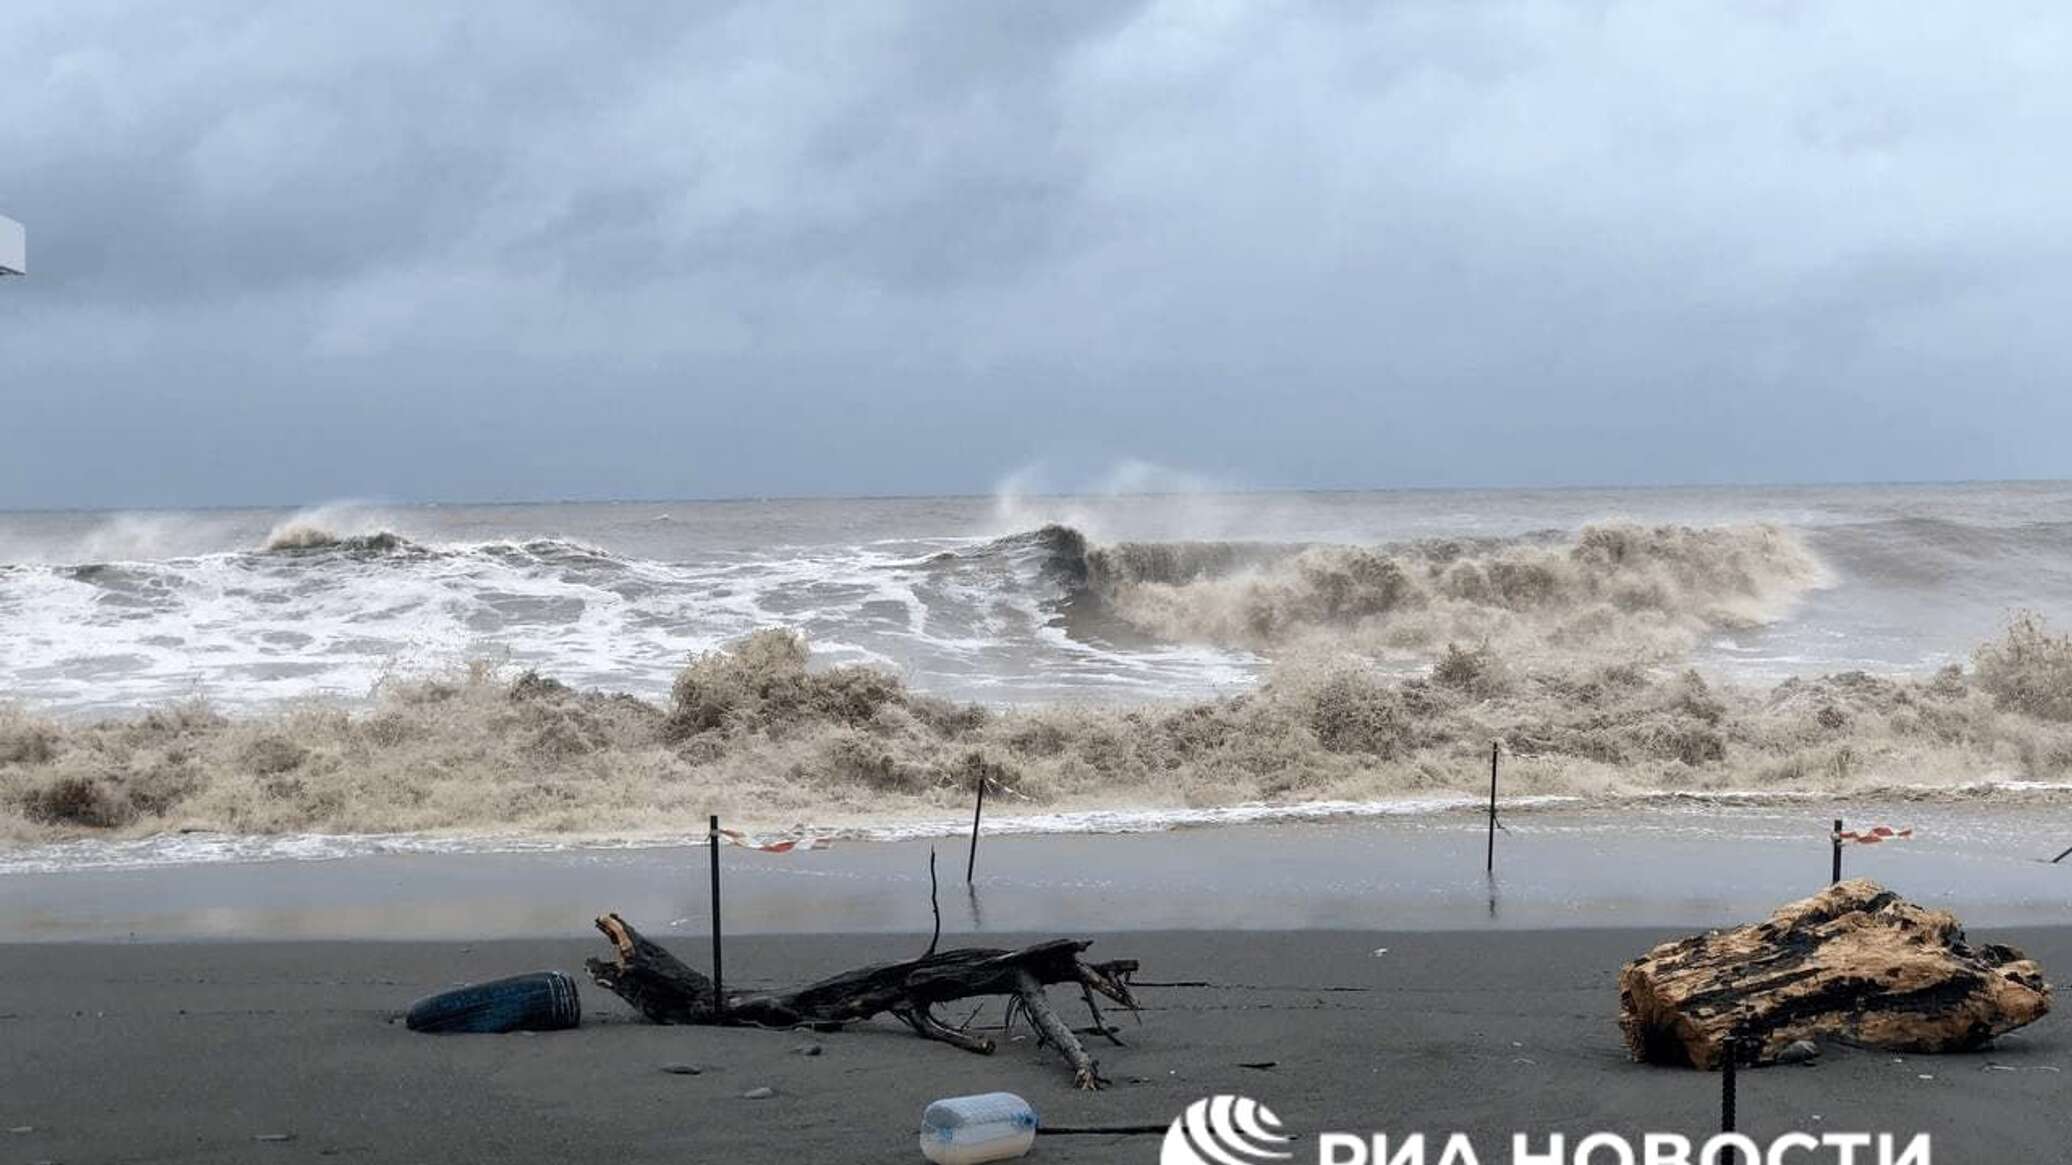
x=663, y=989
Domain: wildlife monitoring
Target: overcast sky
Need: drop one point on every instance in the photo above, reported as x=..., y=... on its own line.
x=283, y=252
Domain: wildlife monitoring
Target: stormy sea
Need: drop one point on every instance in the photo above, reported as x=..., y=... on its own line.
x=181, y=684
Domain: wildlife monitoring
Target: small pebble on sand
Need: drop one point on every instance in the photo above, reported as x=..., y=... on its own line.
x=682, y=1069
x=759, y=1094
x=1799, y=1052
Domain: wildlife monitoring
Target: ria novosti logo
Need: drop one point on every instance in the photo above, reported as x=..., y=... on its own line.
x=1237, y=1130
x=1224, y=1130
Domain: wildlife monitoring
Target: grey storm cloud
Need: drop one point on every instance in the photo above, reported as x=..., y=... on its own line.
x=287, y=251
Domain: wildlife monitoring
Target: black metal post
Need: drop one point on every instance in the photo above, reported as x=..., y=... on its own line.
x=934, y=904
x=1730, y=1051
x=977, y=811
x=1489, y=862
x=719, y=994
x=2061, y=857
x=1837, y=839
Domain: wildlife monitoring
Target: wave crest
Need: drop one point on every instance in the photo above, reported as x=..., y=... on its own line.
x=305, y=537
x=1612, y=588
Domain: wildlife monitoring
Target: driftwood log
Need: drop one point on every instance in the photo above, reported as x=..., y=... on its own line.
x=1855, y=964
x=664, y=990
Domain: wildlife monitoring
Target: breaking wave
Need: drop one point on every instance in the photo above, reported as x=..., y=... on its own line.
x=303, y=537
x=755, y=733
x=1610, y=590
x=328, y=604
x=265, y=675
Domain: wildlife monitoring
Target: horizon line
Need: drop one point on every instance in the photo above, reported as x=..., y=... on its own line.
x=1262, y=490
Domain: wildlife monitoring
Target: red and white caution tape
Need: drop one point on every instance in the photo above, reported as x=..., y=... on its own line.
x=736, y=837
x=1874, y=835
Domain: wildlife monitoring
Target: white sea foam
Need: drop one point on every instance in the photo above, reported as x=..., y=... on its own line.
x=1126, y=671
x=1598, y=815
x=208, y=848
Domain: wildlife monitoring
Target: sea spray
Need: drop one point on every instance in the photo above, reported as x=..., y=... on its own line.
x=332, y=525
x=762, y=736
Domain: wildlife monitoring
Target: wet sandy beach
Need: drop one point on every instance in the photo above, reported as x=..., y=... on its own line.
x=1390, y=984
x=195, y=1051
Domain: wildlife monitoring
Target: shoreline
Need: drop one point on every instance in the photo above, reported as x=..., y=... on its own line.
x=196, y=845
x=1674, y=865
x=1387, y=983
x=196, y=1051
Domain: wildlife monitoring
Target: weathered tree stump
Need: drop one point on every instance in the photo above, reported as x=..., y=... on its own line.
x=1855, y=964
x=664, y=990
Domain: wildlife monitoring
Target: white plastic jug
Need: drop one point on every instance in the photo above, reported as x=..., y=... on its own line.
x=966, y=1130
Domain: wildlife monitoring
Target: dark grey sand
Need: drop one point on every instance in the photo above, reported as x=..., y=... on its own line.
x=193, y=1051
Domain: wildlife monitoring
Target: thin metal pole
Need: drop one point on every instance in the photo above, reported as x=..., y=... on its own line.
x=1489, y=863
x=719, y=994
x=2061, y=857
x=1837, y=874
x=977, y=811
x=934, y=905
x=1727, y=1055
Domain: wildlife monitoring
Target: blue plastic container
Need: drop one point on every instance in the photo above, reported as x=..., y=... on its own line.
x=543, y=1001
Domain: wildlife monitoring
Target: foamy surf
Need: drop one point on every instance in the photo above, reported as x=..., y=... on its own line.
x=206, y=848
x=193, y=848
x=335, y=610
x=763, y=738
x=478, y=671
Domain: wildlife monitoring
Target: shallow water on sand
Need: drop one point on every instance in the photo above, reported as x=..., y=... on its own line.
x=1659, y=866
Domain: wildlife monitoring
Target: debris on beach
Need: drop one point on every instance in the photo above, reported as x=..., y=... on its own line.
x=1875, y=835
x=665, y=990
x=540, y=1001
x=1799, y=1052
x=1855, y=963
x=970, y=1130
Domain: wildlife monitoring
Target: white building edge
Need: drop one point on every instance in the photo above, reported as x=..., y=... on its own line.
x=14, y=247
